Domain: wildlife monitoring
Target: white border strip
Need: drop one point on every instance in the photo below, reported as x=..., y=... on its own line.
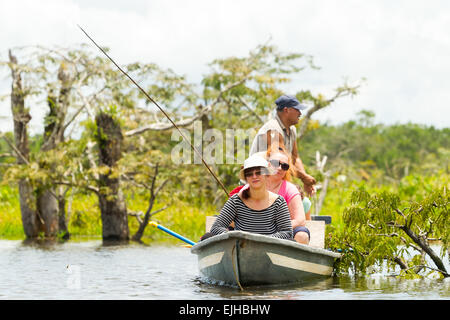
x=210, y=260
x=299, y=264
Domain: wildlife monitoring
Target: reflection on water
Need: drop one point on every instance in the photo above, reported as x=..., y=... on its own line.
x=336, y=288
x=287, y=291
x=92, y=270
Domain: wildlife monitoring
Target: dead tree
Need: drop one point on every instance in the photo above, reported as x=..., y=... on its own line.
x=51, y=202
x=42, y=206
x=149, y=213
x=111, y=199
x=320, y=164
x=32, y=223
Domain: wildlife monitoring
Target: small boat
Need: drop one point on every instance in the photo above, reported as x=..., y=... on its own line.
x=247, y=259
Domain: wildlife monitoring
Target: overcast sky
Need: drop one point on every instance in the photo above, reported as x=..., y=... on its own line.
x=402, y=48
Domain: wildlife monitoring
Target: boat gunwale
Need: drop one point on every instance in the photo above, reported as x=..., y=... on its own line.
x=262, y=239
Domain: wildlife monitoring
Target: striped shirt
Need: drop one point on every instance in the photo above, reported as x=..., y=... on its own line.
x=273, y=221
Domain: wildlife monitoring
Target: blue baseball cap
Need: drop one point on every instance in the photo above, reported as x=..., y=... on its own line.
x=289, y=102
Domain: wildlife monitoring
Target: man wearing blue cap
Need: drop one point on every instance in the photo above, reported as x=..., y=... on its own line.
x=280, y=132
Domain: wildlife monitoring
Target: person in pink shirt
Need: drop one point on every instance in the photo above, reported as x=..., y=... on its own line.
x=280, y=183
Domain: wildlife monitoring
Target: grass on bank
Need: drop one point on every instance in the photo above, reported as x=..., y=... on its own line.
x=184, y=218
x=188, y=219
x=10, y=217
x=85, y=222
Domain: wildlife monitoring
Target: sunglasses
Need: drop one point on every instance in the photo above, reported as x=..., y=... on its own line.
x=257, y=172
x=277, y=163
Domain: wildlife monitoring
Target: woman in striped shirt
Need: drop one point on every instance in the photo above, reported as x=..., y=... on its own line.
x=279, y=182
x=256, y=209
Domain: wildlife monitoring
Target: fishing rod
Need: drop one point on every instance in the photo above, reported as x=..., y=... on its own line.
x=161, y=109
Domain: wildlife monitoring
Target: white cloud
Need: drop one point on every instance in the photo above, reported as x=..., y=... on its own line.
x=401, y=47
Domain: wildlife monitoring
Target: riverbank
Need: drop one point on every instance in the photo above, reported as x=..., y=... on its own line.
x=187, y=217
x=85, y=222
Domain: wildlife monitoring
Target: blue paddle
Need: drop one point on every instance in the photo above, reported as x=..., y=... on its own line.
x=176, y=235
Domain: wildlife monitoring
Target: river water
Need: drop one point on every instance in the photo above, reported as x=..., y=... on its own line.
x=89, y=270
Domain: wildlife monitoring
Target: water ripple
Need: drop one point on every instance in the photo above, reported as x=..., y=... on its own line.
x=88, y=270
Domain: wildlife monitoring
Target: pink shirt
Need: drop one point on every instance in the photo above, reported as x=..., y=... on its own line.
x=288, y=191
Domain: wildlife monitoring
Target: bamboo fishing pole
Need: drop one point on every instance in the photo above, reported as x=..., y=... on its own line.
x=161, y=109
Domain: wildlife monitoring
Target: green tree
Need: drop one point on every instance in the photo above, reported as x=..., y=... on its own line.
x=395, y=150
x=385, y=228
x=80, y=86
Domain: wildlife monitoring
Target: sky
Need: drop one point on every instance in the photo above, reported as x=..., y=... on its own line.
x=401, y=48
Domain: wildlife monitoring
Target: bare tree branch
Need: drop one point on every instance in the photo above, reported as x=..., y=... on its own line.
x=159, y=210
x=401, y=263
x=245, y=104
x=160, y=187
x=340, y=92
x=73, y=185
x=13, y=147
x=160, y=126
x=5, y=155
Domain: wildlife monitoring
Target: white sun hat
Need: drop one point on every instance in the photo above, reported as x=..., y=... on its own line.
x=255, y=161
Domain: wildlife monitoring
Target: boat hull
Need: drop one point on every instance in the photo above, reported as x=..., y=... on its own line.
x=248, y=259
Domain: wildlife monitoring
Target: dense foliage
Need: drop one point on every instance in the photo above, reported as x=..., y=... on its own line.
x=387, y=152
x=399, y=227
x=372, y=170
